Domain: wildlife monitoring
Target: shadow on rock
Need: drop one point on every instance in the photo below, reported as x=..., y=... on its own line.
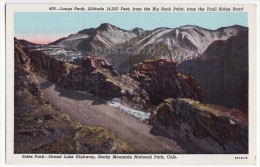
x=73, y=94
x=98, y=101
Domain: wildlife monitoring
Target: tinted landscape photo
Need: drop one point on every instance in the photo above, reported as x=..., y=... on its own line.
x=131, y=83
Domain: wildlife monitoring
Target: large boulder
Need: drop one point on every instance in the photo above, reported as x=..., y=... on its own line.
x=161, y=80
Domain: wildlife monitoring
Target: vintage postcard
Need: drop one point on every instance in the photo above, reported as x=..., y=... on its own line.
x=131, y=83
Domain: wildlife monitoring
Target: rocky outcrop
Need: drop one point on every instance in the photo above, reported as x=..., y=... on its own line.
x=39, y=127
x=45, y=64
x=161, y=80
x=202, y=128
x=94, y=75
x=24, y=77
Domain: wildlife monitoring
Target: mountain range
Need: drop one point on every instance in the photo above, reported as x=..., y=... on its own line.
x=124, y=48
x=218, y=59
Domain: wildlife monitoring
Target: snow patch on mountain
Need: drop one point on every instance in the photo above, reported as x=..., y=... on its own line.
x=111, y=42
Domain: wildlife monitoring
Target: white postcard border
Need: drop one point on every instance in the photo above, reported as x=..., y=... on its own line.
x=182, y=158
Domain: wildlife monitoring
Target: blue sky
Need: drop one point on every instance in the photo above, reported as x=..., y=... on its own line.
x=56, y=24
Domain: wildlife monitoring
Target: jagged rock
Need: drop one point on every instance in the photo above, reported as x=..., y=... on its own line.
x=108, y=83
x=24, y=78
x=92, y=63
x=45, y=64
x=161, y=80
x=41, y=128
x=94, y=75
x=202, y=128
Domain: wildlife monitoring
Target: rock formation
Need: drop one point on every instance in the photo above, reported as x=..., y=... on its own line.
x=161, y=80
x=94, y=75
x=202, y=128
x=39, y=127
